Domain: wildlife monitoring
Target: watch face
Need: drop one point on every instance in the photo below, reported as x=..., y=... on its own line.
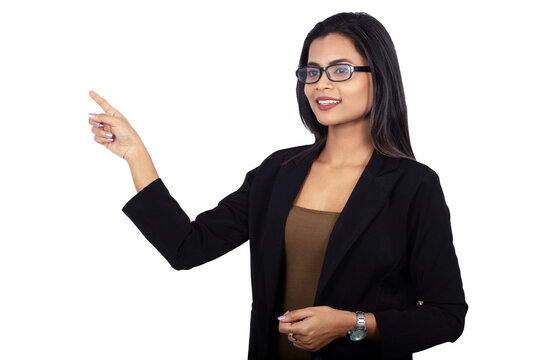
x=358, y=335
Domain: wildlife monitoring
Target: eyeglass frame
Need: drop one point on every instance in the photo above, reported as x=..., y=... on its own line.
x=325, y=69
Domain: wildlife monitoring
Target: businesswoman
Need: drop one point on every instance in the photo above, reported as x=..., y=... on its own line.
x=350, y=239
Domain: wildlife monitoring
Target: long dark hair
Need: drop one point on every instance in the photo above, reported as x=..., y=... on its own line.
x=388, y=126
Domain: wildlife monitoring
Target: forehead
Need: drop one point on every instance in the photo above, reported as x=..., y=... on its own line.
x=331, y=47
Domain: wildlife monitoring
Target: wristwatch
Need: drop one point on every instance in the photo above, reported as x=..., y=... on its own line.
x=359, y=331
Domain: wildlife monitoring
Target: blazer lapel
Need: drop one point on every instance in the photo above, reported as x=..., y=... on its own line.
x=288, y=182
x=365, y=201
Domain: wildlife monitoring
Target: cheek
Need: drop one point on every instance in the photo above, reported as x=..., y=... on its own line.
x=308, y=91
x=369, y=89
x=360, y=94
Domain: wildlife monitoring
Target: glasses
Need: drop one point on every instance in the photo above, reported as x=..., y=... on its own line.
x=338, y=72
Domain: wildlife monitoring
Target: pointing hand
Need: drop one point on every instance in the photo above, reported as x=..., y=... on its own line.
x=112, y=129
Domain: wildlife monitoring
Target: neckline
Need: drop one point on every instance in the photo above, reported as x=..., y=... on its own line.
x=372, y=167
x=317, y=211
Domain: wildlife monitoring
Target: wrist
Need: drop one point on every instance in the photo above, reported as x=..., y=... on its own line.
x=142, y=168
x=136, y=153
x=349, y=323
x=372, y=331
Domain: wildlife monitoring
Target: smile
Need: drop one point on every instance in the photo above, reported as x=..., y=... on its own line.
x=328, y=102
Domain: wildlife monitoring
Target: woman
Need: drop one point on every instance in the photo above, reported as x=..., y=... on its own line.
x=350, y=238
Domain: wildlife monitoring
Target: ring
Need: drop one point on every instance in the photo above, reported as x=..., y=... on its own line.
x=291, y=333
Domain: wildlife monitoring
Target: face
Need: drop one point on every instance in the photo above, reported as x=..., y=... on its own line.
x=355, y=95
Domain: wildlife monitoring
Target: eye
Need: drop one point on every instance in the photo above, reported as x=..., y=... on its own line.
x=313, y=72
x=341, y=70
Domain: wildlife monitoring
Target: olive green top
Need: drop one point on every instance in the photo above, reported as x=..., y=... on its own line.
x=306, y=236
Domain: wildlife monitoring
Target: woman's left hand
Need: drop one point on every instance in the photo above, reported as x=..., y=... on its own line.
x=315, y=327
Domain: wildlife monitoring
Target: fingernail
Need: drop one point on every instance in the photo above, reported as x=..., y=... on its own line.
x=96, y=123
x=281, y=317
x=109, y=135
x=110, y=140
x=91, y=115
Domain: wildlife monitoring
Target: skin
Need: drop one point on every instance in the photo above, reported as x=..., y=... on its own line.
x=123, y=141
x=348, y=136
x=348, y=141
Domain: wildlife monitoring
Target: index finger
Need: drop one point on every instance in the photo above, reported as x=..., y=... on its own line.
x=101, y=102
x=296, y=315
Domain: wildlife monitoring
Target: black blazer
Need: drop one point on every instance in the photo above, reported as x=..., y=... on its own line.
x=391, y=246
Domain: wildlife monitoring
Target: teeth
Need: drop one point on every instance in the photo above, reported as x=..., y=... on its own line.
x=327, y=102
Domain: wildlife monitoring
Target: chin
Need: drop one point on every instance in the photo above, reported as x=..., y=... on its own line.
x=326, y=119
x=335, y=122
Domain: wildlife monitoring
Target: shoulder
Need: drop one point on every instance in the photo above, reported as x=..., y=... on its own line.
x=420, y=175
x=271, y=165
x=278, y=156
x=414, y=167
x=402, y=175
x=283, y=154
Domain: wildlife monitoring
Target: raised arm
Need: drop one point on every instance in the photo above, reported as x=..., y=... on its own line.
x=156, y=213
x=185, y=243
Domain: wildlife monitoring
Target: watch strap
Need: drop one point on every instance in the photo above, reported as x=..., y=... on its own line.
x=360, y=325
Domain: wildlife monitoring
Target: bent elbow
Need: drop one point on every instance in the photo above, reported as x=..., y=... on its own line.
x=178, y=265
x=456, y=323
x=177, y=260
x=456, y=329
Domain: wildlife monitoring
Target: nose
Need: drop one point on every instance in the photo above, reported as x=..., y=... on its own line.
x=323, y=82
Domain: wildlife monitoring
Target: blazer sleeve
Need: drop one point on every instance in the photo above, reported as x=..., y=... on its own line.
x=435, y=275
x=185, y=243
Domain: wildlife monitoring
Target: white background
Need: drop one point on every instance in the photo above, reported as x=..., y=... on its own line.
x=210, y=88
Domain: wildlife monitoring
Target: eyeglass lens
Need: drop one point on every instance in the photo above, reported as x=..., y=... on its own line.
x=335, y=72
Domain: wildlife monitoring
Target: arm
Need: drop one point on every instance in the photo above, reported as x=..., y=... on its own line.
x=142, y=168
x=182, y=242
x=158, y=216
x=435, y=275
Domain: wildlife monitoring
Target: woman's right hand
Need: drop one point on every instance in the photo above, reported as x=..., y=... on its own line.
x=122, y=140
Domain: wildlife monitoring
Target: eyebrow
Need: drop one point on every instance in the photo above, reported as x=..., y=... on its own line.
x=337, y=61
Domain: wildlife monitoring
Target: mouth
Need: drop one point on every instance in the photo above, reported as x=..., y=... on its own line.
x=325, y=103
x=328, y=102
